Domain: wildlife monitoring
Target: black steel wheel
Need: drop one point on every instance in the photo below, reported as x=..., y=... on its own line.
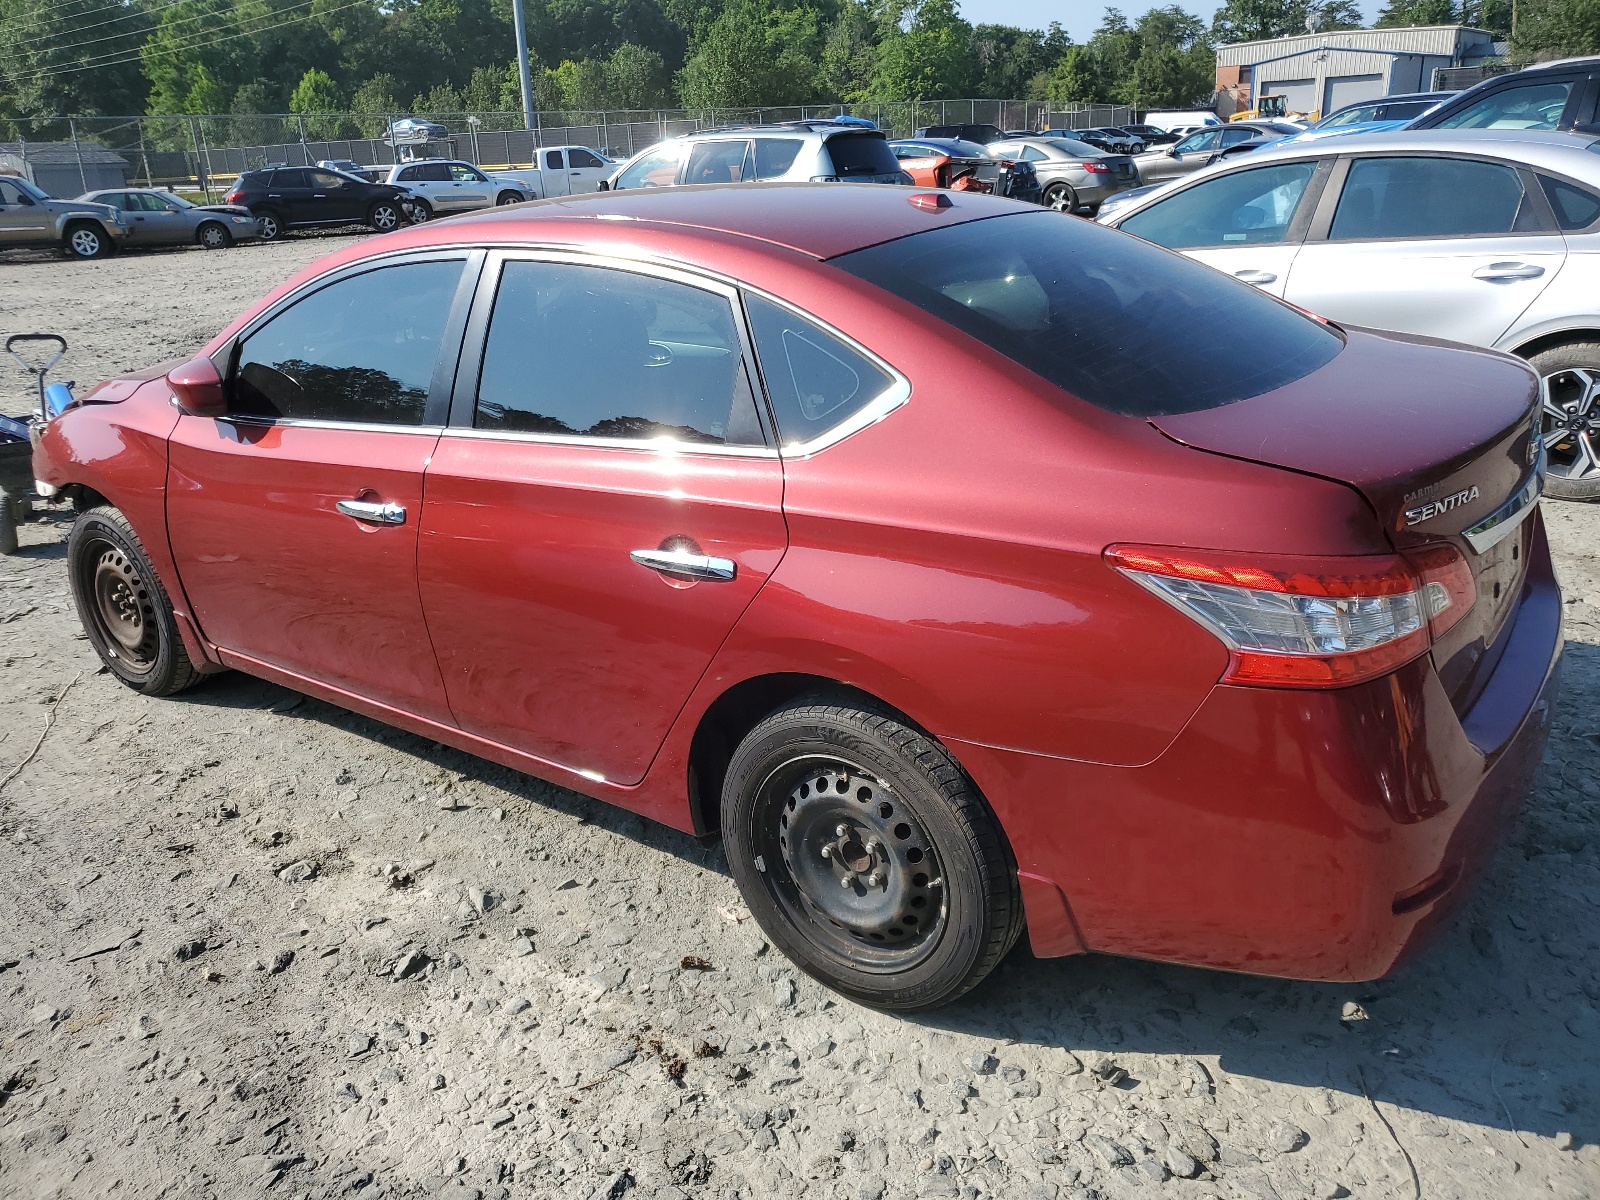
x=123, y=607
x=1569, y=393
x=271, y=225
x=1061, y=197
x=213, y=235
x=868, y=856
x=384, y=216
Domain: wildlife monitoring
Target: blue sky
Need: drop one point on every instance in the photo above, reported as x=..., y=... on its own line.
x=1080, y=17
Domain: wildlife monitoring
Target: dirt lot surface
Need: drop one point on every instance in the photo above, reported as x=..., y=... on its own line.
x=251, y=945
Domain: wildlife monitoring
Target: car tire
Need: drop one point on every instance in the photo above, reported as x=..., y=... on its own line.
x=123, y=607
x=85, y=239
x=385, y=216
x=1061, y=197
x=271, y=225
x=213, y=235
x=867, y=855
x=1569, y=390
x=417, y=211
x=505, y=198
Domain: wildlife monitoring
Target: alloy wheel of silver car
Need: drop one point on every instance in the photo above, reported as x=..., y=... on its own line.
x=1571, y=402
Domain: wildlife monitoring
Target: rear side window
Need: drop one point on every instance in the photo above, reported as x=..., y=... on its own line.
x=774, y=156
x=362, y=349
x=1430, y=198
x=1575, y=208
x=1119, y=323
x=815, y=380
x=1244, y=208
x=1530, y=106
x=582, y=351
x=861, y=154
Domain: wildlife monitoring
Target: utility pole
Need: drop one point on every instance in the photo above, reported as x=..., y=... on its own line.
x=530, y=119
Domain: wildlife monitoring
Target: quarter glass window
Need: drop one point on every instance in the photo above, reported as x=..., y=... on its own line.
x=362, y=349
x=586, y=351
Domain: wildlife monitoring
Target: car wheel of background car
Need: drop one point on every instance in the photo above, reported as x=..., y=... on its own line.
x=86, y=240
x=417, y=211
x=384, y=216
x=123, y=607
x=213, y=236
x=1061, y=197
x=505, y=198
x=867, y=855
x=271, y=225
x=1569, y=384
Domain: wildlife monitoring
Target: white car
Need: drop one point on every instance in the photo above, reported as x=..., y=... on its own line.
x=442, y=185
x=1490, y=237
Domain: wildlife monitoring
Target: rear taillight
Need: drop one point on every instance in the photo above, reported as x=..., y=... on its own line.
x=1309, y=622
x=1096, y=168
x=233, y=197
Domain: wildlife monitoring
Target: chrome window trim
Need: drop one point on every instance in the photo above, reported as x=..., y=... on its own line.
x=1503, y=521
x=313, y=423
x=666, y=447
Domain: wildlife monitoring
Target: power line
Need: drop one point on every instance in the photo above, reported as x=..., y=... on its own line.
x=38, y=20
x=169, y=25
x=44, y=37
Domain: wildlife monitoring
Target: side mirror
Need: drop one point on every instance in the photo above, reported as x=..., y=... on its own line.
x=197, y=389
x=605, y=186
x=1172, y=152
x=24, y=199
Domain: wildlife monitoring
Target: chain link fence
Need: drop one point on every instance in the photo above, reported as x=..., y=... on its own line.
x=205, y=153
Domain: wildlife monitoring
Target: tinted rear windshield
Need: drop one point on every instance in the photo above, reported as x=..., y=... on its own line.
x=1122, y=324
x=862, y=154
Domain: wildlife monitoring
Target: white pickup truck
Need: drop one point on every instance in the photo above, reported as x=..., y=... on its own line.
x=443, y=185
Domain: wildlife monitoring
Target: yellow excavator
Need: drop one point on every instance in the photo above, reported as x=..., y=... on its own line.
x=1274, y=106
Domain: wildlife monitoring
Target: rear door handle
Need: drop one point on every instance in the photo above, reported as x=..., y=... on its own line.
x=1502, y=271
x=686, y=564
x=1250, y=276
x=373, y=512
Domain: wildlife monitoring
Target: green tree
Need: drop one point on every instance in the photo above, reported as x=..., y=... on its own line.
x=582, y=84
x=1416, y=12
x=65, y=57
x=849, y=55
x=926, y=53
x=1009, y=59
x=1558, y=28
x=751, y=56
x=1254, y=20
x=636, y=78
x=1076, y=79
x=316, y=98
x=373, y=103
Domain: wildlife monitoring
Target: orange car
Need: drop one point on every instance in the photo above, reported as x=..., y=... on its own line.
x=964, y=166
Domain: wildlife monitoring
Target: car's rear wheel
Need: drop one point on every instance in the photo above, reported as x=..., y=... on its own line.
x=1569, y=389
x=124, y=609
x=271, y=225
x=213, y=236
x=867, y=855
x=86, y=240
x=1061, y=197
x=417, y=211
x=505, y=198
x=384, y=216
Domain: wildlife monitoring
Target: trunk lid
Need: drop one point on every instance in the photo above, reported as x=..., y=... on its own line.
x=1437, y=438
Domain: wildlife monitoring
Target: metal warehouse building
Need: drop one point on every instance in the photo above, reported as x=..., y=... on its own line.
x=64, y=169
x=1319, y=72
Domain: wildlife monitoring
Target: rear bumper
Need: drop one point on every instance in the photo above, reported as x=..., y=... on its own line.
x=1313, y=835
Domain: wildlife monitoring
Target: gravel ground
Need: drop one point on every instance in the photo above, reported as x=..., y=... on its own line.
x=252, y=944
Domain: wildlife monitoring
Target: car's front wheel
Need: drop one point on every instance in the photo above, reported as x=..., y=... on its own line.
x=384, y=216
x=213, y=236
x=1061, y=197
x=867, y=855
x=271, y=225
x=86, y=240
x=123, y=607
x=1569, y=390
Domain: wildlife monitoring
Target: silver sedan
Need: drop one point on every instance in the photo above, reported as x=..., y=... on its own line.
x=1489, y=237
x=157, y=218
x=1074, y=177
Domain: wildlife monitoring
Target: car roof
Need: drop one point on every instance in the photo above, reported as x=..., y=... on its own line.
x=947, y=145
x=819, y=221
x=1555, y=151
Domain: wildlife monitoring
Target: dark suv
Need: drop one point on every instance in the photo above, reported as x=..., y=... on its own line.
x=1558, y=95
x=982, y=134
x=284, y=198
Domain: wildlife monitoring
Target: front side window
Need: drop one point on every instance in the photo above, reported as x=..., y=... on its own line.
x=327, y=181
x=362, y=349
x=584, y=351
x=718, y=162
x=1351, y=116
x=1575, y=207
x=1196, y=142
x=654, y=168
x=10, y=193
x=579, y=157
x=774, y=156
x=1530, y=106
x=1119, y=323
x=1241, y=209
x=1430, y=198
x=815, y=380
x=462, y=173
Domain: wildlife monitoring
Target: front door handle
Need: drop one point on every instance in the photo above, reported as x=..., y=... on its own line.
x=686, y=564
x=373, y=512
x=1250, y=276
x=1502, y=271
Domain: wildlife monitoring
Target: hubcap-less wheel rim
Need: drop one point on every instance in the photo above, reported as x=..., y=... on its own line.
x=850, y=865
x=1571, y=426
x=123, y=610
x=269, y=228
x=385, y=218
x=1060, y=199
x=85, y=243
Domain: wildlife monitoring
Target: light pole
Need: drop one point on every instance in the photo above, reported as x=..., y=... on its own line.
x=529, y=118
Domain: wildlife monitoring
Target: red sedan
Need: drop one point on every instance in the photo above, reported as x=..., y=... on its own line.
x=968, y=568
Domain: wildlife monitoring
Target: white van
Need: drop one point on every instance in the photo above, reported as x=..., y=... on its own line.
x=1194, y=118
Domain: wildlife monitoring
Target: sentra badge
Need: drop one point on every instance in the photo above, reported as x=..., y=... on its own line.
x=1426, y=512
